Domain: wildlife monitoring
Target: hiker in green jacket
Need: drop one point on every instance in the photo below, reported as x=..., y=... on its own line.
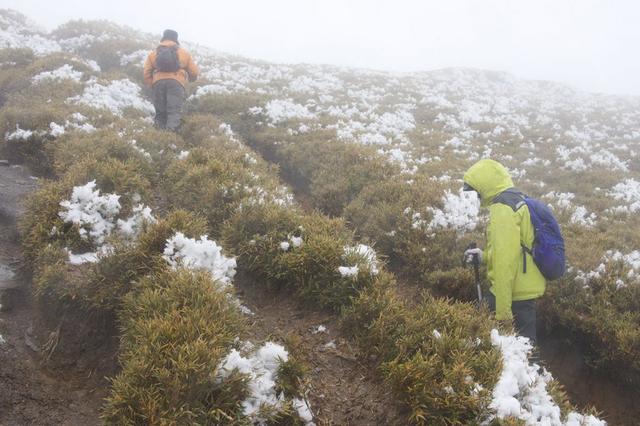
x=514, y=287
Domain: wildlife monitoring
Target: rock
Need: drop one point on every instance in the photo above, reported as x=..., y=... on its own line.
x=29, y=341
x=7, y=278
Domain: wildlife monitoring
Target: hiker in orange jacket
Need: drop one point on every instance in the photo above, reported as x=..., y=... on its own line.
x=167, y=70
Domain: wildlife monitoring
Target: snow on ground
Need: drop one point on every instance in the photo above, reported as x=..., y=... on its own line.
x=261, y=367
x=364, y=255
x=55, y=130
x=521, y=391
x=319, y=329
x=280, y=110
x=93, y=213
x=115, y=96
x=96, y=217
x=16, y=35
x=459, y=212
x=137, y=58
x=64, y=72
x=201, y=254
x=628, y=192
x=20, y=134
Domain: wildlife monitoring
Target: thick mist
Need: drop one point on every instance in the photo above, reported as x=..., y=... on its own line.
x=590, y=44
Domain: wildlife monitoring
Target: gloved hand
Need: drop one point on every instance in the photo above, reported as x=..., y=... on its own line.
x=470, y=253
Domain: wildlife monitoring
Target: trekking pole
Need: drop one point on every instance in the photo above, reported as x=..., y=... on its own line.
x=475, y=261
x=476, y=270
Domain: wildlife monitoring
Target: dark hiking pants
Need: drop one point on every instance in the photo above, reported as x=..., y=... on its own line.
x=168, y=97
x=524, y=316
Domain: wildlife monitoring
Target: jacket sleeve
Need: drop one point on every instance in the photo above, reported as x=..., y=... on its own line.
x=192, y=69
x=148, y=69
x=503, y=243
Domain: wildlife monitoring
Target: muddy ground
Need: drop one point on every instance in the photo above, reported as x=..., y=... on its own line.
x=39, y=383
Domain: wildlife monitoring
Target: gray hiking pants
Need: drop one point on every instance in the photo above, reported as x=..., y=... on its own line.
x=168, y=97
x=524, y=316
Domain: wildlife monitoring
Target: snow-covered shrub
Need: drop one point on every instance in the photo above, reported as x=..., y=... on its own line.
x=364, y=259
x=64, y=72
x=87, y=220
x=100, y=41
x=41, y=225
x=263, y=369
x=200, y=254
x=280, y=110
x=94, y=214
x=459, y=212
x=116, y=96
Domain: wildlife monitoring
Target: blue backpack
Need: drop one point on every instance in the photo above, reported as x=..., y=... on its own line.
x=548, y=245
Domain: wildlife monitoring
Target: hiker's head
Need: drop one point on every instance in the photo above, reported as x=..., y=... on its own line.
x=467, y=188
x=488, y=178
x=170, y=35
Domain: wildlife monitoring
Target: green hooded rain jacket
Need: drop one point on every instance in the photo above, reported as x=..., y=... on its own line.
x=507, y=230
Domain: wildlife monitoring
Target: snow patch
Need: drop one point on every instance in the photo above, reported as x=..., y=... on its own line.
x=459, y=212
x=280, y=110
x=64, y=72
x=202, y=254
x=521, y=391
x=261, y=368
x=115, y=96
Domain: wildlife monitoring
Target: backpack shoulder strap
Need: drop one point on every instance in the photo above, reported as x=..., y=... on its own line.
x=512, y=198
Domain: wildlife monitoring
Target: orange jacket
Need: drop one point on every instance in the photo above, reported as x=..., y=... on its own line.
x=188, y=68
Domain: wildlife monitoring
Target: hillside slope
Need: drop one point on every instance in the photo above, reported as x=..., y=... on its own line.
x=381, y=154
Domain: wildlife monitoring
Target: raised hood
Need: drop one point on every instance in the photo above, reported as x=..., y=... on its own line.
x=489, y=178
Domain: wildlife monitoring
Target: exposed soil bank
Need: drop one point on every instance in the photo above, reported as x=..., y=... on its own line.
x=586, y=387
x=44, y=378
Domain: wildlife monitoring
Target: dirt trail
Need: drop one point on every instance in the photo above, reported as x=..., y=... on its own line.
x=342, y=390
x=32, y=392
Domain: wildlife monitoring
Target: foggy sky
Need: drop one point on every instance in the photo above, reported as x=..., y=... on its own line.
x=591, y=44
